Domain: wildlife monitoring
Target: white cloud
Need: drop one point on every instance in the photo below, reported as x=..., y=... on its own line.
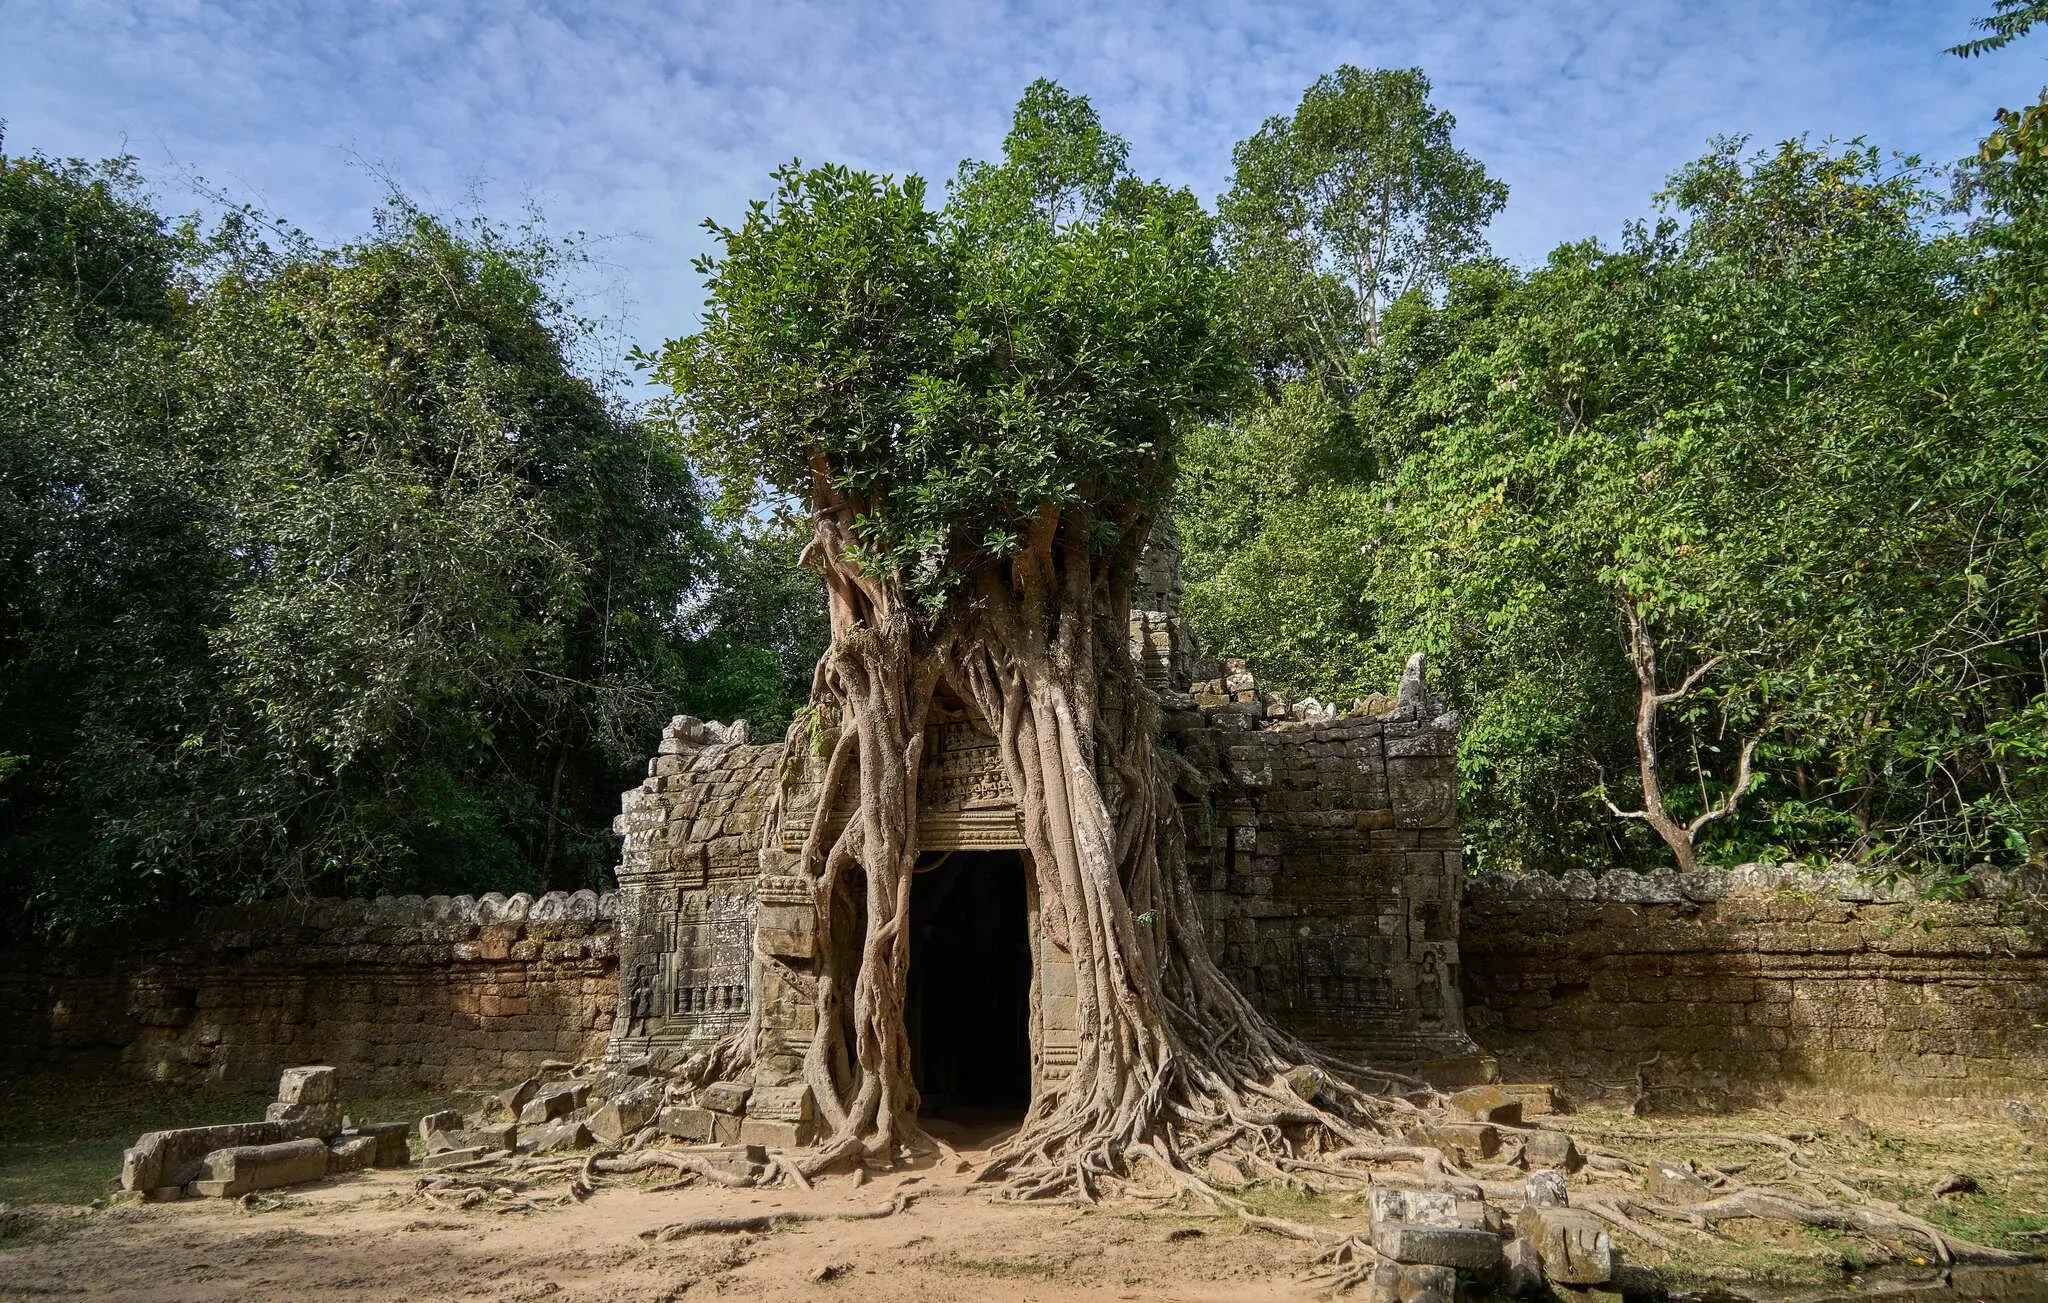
x=638, y=120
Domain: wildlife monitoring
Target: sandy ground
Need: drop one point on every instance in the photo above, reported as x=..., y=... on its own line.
x=379, y=1236
x=372, y=1238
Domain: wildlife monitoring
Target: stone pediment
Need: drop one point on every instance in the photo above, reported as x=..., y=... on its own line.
x=964, y=798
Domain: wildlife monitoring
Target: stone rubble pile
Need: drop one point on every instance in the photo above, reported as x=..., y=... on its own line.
x=621, y=1105
x=1427, y=1239
x=1235, y=683
x=303, y=1137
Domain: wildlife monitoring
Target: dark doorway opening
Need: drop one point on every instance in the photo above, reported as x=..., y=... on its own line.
x=970, y=984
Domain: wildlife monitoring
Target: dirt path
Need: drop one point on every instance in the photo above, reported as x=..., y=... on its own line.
x=377, y=1238
x=369, y=1238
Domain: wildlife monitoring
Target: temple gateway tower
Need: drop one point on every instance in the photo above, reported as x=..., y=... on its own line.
x=1323, y=844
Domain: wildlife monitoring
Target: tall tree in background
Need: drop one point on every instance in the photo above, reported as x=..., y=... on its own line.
x=1336, y=212
x=1334, y=215
x=757, y=626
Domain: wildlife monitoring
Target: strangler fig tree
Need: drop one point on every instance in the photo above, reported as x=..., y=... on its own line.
x=978, y=404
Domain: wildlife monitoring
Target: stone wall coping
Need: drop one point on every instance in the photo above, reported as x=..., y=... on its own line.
x=1848, y=883
x=585, y=906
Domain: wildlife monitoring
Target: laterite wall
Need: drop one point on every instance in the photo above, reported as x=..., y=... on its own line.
x=1729, y=980
x=402, y=992
x=1758, y=977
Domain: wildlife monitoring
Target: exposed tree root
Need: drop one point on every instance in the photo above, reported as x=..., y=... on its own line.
x=1606, y=1210
x=1777, y=1206
x=761, y=1223
x=642, y=1160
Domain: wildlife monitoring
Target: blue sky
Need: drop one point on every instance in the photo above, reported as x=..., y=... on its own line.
x=635, y=121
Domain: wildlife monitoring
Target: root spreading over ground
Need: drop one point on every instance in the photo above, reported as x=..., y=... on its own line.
x=1182, y=1090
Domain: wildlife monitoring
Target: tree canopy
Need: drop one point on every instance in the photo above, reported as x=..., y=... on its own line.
x=943, y=376
x=1753, y=481
x=322, y=570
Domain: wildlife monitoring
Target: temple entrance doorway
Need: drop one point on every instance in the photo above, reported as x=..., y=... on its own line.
x=970, y=985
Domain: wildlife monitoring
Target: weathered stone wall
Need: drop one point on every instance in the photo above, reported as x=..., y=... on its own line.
x=400, y=991
x=1328, y=861
x=688, y=878
x=1758, y=977
x=1731, y=981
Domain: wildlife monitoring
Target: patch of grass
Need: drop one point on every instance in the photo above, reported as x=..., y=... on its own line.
x=22, y=1227
x=1006, y=1268
x=67, y=1123
x=1991, y=1217
x=1296, y=1205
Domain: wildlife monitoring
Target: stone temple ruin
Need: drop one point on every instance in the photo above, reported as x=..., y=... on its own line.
x=1324, y=846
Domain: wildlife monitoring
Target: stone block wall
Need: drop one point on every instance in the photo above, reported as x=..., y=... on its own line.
x=400, y=992
x=1328, y=861
x=689, y=871
x=1758, y=977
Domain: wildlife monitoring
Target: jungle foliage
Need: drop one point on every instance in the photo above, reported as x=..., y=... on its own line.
x=1734, y=528
x=321, y=570
x=330, y=569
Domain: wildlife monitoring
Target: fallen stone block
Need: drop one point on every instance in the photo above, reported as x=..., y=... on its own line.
x=351, y=1153
x=498, y=1136
x=779, y=1116
x=1387, y=1203
x=780, y=1103
x=738, y=1160
x=510, y=1101
x=2031, y=1121
x=230, y=1173
x=626, y=1112
x=450, y=1157
x=609, y=1086
x=1545, y=1189
x=391, y=1137
x=316, y=1084
x=1403, y=1282
x=774, y=1135
x=727, y=1096
x=1487, y=1104
x=1552, y=1149
x=1574, y=1245
x=1672, y=1182
x=1471, y=1139
x=640, y=1065
x=1539, y=1099
x=684, y=1123
x=555, y=1137
x=307, y=1121
x=172, y=1157
x=1521, y=1268
x=1437, y=1246
x=446, y=1119
x=553, y=1101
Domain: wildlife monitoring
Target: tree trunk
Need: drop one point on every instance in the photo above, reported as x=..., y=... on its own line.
x=1173, y=1062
